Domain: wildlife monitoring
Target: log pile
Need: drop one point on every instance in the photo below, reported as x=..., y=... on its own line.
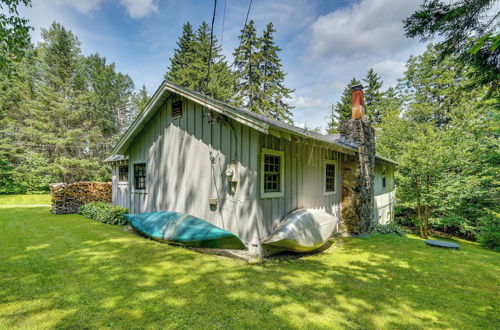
x=68, y=197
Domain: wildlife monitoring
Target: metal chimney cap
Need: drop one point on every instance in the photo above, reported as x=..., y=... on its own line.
x=357, y=87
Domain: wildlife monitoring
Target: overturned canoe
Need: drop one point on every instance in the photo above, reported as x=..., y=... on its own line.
x=303, y=230
x=184, y=229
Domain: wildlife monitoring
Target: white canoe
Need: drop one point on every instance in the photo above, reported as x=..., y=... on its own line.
x=303, y=230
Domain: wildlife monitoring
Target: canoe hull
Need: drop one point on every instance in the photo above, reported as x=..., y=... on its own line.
x=183, y=229
x=303, y=230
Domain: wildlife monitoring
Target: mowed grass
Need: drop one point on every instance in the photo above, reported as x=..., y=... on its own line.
x=66, y=271
x=7, y=200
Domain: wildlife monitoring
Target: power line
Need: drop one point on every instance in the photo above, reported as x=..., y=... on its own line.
x=248, y=13
x=246, y=20
x=223, y=22
x=211, y=44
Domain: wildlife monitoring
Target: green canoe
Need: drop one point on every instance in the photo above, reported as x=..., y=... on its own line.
x=184, y=229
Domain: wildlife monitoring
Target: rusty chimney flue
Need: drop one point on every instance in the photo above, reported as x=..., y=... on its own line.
x=358, y=109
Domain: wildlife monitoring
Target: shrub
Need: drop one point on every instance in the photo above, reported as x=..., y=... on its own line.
x=489, y=231
x=389, y=229
x=104, y=212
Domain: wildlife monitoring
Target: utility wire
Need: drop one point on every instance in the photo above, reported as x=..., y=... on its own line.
x=246, y=20
x=223, y=22
x=211, y=44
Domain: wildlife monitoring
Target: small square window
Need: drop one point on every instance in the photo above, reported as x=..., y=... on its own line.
x=329, y=177
x=123, y=173
x=140, y=176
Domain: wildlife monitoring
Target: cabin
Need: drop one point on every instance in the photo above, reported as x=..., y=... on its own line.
x=238, y=170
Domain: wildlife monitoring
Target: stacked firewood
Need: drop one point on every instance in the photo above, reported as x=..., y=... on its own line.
x=68, y=197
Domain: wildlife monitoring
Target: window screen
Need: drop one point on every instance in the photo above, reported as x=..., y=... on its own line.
x=140, y=176
x=123, y=173
x=330, y=177
x=272, y=173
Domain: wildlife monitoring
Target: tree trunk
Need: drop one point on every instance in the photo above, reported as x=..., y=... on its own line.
x=426, y=226
x=419, y=211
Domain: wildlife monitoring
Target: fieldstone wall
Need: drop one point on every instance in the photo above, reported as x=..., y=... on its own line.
x=358, y=175
x=68, y=197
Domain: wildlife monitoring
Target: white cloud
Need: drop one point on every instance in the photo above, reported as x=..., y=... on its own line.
x=135, y=8
x=389, y=69
x=84, y=6
x=139, y=8
x=370, y=27
x=305, y=102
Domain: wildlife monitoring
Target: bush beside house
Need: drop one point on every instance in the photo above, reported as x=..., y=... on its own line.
x=104, y=212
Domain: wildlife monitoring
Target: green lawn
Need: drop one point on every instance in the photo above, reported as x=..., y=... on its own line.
x=70, y=272
x=6, y=200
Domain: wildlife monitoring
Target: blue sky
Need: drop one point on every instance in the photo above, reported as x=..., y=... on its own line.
x=324, y=43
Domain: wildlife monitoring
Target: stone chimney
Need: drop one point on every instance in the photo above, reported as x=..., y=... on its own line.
x=358, y=171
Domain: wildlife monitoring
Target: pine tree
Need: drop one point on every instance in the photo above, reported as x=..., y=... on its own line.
x=183, y=56
x=341, y=112
x=373, y=96
x=247, y=66
x=193, y=73
x=140, y=99
x=273, y=92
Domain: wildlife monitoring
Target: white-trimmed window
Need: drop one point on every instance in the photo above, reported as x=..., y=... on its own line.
x=330, y=176
x=123, y=173
x=272, y=173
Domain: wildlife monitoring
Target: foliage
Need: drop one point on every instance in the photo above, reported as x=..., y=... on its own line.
x=489, y=230
x=373, y=96
x=189, y=64
x=272, y=89
x=97, y=276
x=467, y=31
x=140, y=99
x=62, y=109
x=445, y=139
x=341, y=112
x=260, y=78
x=247, y=68
x=14, y=33
x=104, y=212
x=388, y=229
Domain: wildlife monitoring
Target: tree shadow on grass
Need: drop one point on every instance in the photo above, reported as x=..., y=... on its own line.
x=82, y=274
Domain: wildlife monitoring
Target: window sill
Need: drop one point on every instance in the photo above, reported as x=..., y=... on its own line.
x=272, y=195
x=328, y=193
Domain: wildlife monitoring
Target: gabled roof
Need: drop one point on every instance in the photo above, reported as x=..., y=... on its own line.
x=259, y=122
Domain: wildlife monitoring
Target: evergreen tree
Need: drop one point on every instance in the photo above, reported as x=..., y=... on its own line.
x=183, y=56
x=140, y=99
x=247, y=66
x=60, y=114
x=273, y=92
x=373, y=96
x=341, y=112
x=192, y=73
